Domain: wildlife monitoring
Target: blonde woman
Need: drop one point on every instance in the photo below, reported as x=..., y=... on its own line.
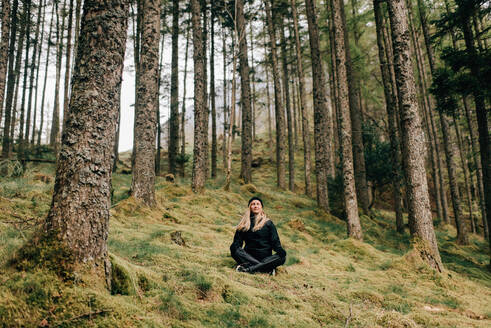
x=261, y=239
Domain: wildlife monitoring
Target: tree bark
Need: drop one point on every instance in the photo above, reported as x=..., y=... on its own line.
x=41, y=123
x=279, y=110
x=200, y=152
x=225, y=108
x=35, y=68
x=303, y=109
x=4, y=51
x=183, y=111
x=27, y=22
x=214, y=145
x=420, y=219
x=245, y=96
x=321, y=111
x=464, y=164
x=66, y=90
x=143, y=183
x=79, y=213
x=356, y=118
x=350, y=199
x=288, y=107
x=55, y=124
x=482, y=118
x=174, y=90
x=391, y=107
x=12, y=75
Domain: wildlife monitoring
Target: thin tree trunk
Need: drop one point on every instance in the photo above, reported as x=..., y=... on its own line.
x=34, y=64
x=224, y=53
x=463, y=163
x=350, y=199
x=55, y=125
x=289, y=118
x=83, y=175
x=482, y=119
x=214, y=146
x=321, y=112
x=420, y=219
x=41, y=123
x=228, y=173
x=39, y=47
x=279, y=110
x=66, y=99
x=143, y=183
x=174, y=90
x=4, y=51
x=253, y=83
x=158, y=155
x=12, y=75
x=200, y=108
x=356, y=118
x=391, y=107
x=183, y=111
x=245, y=96
x=303, y=108
x=27, y=22
x=268, y=96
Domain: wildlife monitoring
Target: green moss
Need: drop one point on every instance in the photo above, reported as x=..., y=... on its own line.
x=47, y=251
x=120, y=280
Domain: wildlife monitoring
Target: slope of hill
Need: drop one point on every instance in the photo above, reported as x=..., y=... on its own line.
x=172, y=267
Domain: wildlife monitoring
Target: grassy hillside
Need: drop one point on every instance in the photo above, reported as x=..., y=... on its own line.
x=159, y=283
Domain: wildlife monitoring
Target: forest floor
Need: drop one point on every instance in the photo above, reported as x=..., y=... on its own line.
x=327, y=281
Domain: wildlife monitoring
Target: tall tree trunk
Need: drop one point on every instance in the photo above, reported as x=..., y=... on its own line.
x=228, y=172
x=174, y=90
x=55, y=125
x=4, y=51
x=462, y=238
x=420, y=219
x=303, y=109
x=279, y=110
x=158, y=155
x=321, y=112
x=245, y=96
x=214, y=146
x=350, y=199
x=464, y=164
x=200, y=152
x=83, y=174
x=143, y=183
x=391, y=107
x=27, y=22
x=204, y=12
x=66, y=90
x=426, y=107
x=41, y=123
x=289, y=118
x=225, y=108
x=482, y=117
x=268, y=96
x=39, y=50
x=253, y=82
x=356, y=117
x=34, y=64
x=183, y=111
x=448, y=143
x=6, y=142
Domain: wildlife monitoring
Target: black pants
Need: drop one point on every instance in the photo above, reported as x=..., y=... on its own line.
x=265, y=265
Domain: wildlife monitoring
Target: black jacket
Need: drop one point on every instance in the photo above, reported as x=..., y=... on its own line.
x=260, y=243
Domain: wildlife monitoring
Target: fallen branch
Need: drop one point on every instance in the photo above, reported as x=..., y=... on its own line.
x=346, y=325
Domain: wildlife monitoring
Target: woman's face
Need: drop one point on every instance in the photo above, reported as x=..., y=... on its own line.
x=256, y=206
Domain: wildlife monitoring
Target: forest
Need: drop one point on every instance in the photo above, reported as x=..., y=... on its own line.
x=133, y=133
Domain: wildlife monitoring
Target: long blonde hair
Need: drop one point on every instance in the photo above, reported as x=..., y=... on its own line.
x=245, y=222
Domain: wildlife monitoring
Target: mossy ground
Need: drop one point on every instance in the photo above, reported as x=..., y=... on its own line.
x=163, y=284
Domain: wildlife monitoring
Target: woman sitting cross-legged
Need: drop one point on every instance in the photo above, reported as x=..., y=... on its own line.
x=261, y=238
